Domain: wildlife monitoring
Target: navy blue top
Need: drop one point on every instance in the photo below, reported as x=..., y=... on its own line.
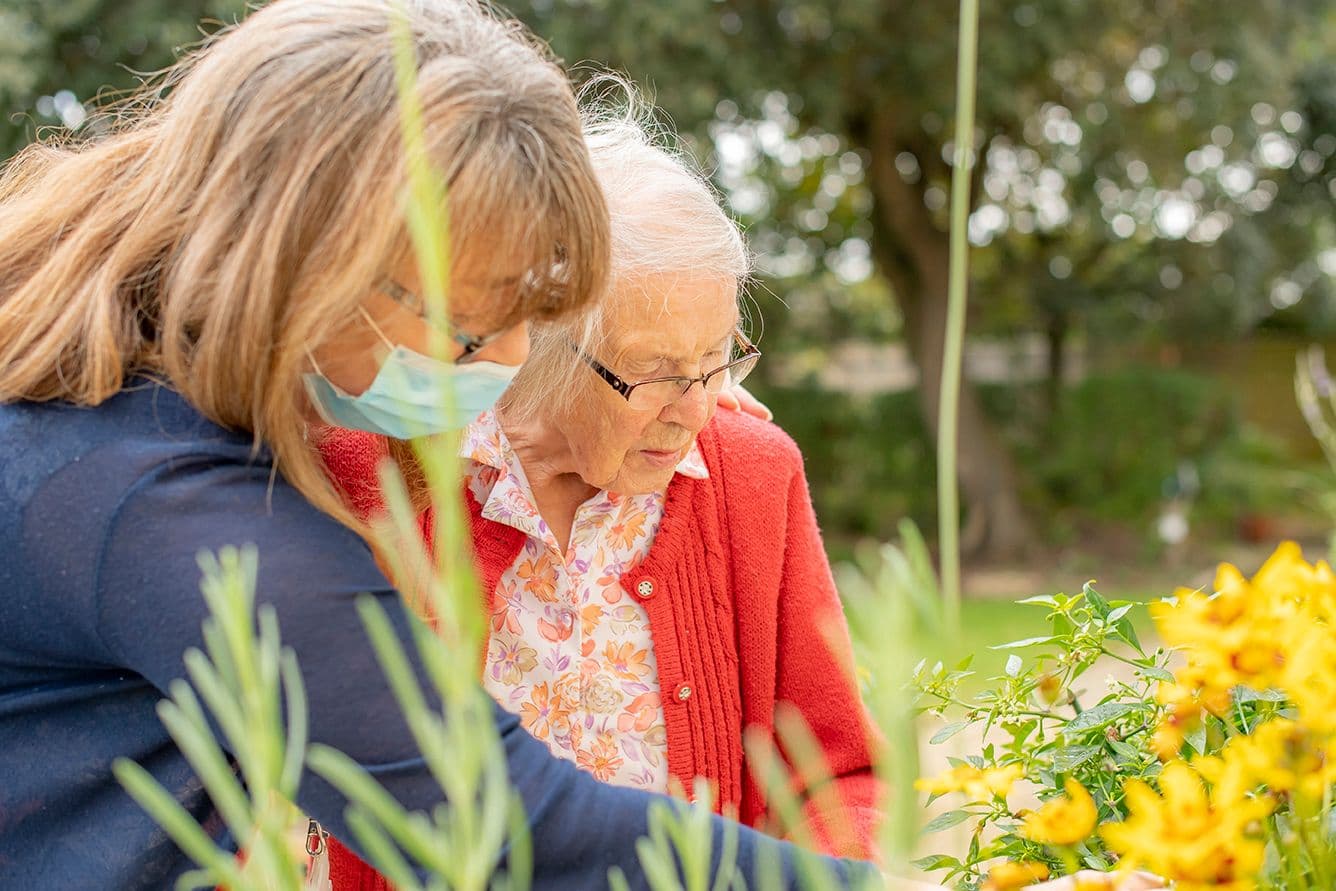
x=102, y=513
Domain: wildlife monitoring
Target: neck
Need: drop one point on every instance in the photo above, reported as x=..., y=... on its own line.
x=550, y=467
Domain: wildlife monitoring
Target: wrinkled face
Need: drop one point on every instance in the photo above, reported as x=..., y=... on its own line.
x=482, y=292
x=657, y=326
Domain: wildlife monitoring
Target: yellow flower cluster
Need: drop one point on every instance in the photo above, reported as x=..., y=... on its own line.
x=1205, y=823
x=1275, y=632
x=1281, y=755
x=1199, y=839
x=1205, y=828
x=977, y=784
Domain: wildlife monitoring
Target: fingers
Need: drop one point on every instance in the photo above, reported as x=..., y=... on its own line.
x=739, y=399
x=727, y=400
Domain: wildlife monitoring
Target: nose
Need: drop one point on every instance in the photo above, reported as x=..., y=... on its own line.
x=511, y=348
x=691, y=410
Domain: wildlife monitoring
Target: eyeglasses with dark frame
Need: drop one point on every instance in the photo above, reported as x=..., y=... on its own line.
x=659, y=392
x=470, y=343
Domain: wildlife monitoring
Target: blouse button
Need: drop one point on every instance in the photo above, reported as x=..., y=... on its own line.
x=645, y=588
x=683, y=692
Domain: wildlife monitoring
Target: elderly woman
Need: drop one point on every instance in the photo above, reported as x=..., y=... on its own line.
x=654, y=575
x=652, y=569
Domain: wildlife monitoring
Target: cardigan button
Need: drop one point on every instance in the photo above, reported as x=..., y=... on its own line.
x=683, y=692
x=645, y=588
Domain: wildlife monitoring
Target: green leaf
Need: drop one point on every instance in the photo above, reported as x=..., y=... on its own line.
x=1042, y=600
x=1098, y=716
x=1156, y=673
x=1248, y=694
x=1128, y=632
x=1027, y=642
x=163, y=807
x=947, y=732
x=1097, y=861
x=1126, y=751
x=936, y=861
x=947, y=820
x=1013, y=668
x=1196, y=738
x=1072, y=757
x=1098, y=605
x=1118, y=612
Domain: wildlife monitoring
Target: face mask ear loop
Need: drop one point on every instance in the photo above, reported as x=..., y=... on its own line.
x=374, y=327
x=310, y=357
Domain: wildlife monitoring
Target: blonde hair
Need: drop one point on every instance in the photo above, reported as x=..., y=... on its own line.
x=238, y=209
x=666, y=219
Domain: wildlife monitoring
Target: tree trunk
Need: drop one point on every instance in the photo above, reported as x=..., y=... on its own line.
x=913, y=254
x=1055, y=333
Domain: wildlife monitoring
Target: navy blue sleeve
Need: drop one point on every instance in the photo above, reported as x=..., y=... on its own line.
x=312, y=570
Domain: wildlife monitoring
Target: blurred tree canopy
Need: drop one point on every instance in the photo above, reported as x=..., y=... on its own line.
x=56, y=58
x=1149, y=168
x=1164, y=164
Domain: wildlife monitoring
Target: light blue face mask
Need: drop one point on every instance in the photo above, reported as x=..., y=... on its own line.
x=407, y=398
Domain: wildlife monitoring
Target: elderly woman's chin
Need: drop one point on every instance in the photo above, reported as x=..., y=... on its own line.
x=647, y=470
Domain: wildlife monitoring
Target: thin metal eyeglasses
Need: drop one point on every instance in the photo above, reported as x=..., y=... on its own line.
x=661, y=391
x=470, y=343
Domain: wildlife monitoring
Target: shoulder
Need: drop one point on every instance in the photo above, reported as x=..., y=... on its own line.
x=740, y=444
x=113, y=444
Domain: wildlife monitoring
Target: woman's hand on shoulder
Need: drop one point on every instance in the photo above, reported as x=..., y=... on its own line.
x=738, y=399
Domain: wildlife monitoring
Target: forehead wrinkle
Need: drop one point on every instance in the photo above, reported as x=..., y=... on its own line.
x=682, y=358
x=642, y=313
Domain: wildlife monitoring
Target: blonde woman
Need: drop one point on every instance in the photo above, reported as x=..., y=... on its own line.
x=178, y=297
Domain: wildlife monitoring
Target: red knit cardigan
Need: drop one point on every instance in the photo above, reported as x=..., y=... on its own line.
x=743, y=614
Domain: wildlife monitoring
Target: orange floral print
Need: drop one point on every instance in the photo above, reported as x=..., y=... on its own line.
x=541, y=714
x=571, y=651
x=540, y=578
x=641, y=713
x=626, y=661
x=602, y=760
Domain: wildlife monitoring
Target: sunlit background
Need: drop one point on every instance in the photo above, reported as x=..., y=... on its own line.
x=1153, y=231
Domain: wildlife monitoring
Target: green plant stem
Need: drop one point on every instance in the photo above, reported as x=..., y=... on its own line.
x=948, y=405
x=1112, y=655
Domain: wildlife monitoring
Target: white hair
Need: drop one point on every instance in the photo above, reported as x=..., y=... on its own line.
x=666, y=219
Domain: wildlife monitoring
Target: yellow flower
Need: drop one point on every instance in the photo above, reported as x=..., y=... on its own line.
x=1309, y=678
x=1012, y=875
x=1185, y=836
x=1282, y=755
x=1277, y=631
x=1064, y=820
x=977, y=784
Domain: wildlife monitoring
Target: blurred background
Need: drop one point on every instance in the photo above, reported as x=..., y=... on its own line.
x=1153, y=244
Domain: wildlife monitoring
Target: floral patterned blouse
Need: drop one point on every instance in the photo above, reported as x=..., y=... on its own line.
x=569, y=651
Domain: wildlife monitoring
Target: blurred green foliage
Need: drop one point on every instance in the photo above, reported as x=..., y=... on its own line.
x=1108, y=455
x=1152, y=170
x=1116, y=440
x=58, y=55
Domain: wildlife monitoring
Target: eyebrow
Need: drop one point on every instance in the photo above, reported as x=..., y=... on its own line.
x=725, y=341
